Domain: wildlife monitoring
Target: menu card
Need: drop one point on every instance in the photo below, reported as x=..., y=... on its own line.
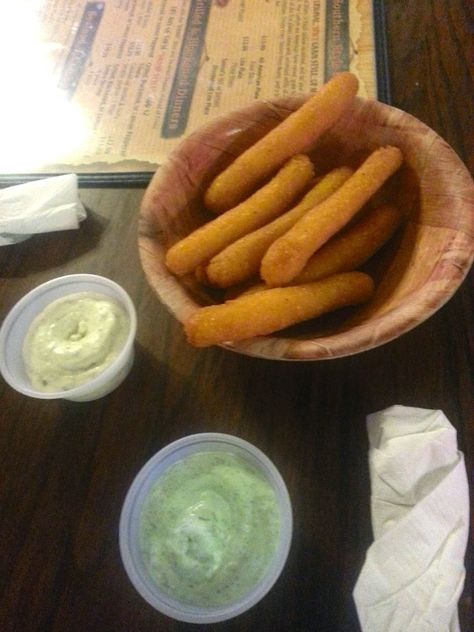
x=107, y=89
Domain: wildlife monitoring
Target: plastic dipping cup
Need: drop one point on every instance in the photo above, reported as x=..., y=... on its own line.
x=19, y=319
x=131, y=515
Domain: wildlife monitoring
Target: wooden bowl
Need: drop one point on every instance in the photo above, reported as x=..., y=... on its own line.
x=415, y=274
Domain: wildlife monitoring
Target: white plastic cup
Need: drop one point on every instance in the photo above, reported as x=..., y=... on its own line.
x=19, y=319
x=131, y=515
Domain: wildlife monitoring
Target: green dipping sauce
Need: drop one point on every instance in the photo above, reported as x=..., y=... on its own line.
x=209, y=529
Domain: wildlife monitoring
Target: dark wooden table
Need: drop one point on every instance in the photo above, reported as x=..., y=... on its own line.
x=65, y=467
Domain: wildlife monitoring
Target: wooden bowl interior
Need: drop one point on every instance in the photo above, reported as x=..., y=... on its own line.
x=415, y=274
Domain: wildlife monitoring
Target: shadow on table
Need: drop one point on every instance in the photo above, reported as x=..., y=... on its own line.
x=49, y=250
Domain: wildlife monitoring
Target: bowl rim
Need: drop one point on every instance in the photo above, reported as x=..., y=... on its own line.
x=404, y=317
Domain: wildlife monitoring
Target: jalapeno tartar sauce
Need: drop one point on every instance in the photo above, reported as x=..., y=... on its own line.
x=209, y=529
x=73, y=340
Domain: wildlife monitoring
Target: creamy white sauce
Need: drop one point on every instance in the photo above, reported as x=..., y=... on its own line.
x=73, y=340
x=209, y=529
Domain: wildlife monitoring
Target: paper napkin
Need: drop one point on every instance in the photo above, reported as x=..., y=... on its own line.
x=413, y=573
x=40, y=206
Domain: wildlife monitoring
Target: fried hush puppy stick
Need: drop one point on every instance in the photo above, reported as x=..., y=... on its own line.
x=260, y=208
x=288, y=254
x=347, y=251
x=292, y=136
x=356, y=245
x=267, y=311
x=241, y=260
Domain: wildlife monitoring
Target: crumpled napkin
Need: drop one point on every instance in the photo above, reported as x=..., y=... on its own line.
x=413, y=574
x=40, y=206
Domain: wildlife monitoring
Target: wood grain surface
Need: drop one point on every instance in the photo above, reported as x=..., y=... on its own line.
x=65, y=467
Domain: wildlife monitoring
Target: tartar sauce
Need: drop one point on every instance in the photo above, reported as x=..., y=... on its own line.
x=209, y=529
x=74, y=339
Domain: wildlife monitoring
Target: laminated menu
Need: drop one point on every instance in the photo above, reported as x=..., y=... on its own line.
x=107, y=89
